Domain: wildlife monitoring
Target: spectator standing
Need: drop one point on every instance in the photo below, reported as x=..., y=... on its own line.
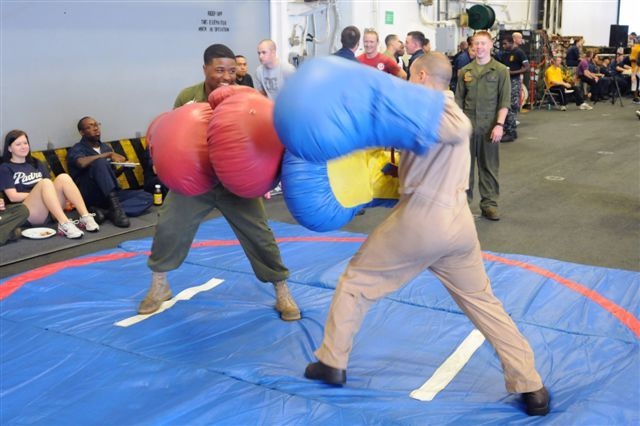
x=271, y=73
x=483, y=92
x=373, y=58
x=426, y=45
x=516, y=60
x=243, y=78
x=413, y=46
x=573, y=53
x=460, y=60
x=518, y=40
x=350, y=39
x=394, y=49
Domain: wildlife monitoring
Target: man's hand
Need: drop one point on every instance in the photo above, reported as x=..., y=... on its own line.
x=114, y=156
x=496, y=134
x=2, y=206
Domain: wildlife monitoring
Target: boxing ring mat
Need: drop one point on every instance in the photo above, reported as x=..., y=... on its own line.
x=73, y=350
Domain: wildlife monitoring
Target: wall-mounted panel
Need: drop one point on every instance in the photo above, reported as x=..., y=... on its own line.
x=121, y=62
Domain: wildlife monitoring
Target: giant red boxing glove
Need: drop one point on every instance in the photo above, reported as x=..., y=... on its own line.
x=223, y=92
x=178, y=145
x=244, y=149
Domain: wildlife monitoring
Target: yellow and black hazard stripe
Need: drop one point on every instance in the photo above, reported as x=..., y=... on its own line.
x=133, y=149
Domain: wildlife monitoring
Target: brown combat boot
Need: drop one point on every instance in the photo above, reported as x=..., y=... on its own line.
x=285, y=304
x=158, y=293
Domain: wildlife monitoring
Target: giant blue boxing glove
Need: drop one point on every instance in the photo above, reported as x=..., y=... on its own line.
x=311, y=198
x=331, y=107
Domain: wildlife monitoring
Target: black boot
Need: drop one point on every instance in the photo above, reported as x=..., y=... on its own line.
x=116, y=214
x=100, y=214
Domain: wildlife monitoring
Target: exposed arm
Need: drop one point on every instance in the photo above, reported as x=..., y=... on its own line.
x=15, y=196
x=84, y=162
x=525, y=67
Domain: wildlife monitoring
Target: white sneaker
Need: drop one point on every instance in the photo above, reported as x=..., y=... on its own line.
x=277, y=190
x=70, y=230
x=585, y=106
x=88, y=223
x=563, y=108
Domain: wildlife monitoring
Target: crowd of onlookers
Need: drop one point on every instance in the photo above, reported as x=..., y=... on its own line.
x=30, y=196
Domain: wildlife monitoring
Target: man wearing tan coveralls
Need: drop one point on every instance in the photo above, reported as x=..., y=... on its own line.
x=433, y=191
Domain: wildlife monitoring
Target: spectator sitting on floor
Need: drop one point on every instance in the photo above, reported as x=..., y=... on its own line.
x=26, y=180
x=90, y=166
x=12, y=217
x=553, y=78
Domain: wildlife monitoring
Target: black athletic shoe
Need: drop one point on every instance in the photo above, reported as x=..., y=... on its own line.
x=536, y=403
x=330, y=375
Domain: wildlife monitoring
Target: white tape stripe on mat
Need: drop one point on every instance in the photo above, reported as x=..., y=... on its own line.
x=450, y=368
x=185, y=294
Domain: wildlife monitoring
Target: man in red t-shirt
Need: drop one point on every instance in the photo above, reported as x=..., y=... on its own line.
x=375, y=59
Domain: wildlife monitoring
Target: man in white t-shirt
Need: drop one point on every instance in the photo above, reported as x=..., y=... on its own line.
x=271, y=74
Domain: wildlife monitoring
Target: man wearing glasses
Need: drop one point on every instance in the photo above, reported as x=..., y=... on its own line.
x=90, y=167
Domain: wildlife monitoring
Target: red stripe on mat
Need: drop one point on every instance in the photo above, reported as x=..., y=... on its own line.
x=11, y=285
x=625, y=317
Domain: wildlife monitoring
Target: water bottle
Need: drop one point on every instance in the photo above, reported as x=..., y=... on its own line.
x=157, y=196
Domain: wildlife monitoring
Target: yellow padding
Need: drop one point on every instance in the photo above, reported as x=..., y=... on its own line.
x=357, y=178
x=38, y=155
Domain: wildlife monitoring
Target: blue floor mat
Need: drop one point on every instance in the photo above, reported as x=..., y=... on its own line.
x=224, y=357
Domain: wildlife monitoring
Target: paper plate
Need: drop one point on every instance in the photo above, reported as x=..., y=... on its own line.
x=124, y=164
x=38, y=233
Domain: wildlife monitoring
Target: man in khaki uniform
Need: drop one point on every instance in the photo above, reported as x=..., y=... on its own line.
x=484, y=92
x=433, y=191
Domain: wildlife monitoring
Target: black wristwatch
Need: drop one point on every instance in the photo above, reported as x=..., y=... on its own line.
x=500, y=124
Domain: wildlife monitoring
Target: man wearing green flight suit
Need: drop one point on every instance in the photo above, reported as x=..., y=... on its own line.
x=483, y=93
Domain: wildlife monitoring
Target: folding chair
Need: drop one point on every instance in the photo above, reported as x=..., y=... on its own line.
x=549, y=95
